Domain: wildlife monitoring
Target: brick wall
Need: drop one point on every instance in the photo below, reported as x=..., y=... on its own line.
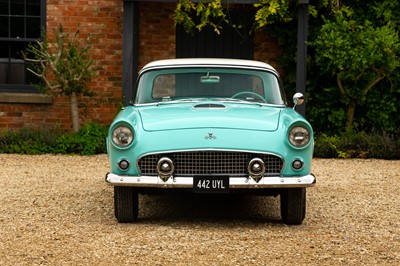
x=156, y=32
x=266, y=49
x=103, y=19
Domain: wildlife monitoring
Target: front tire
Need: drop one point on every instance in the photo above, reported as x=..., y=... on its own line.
x=126, y=204
x=293, y=205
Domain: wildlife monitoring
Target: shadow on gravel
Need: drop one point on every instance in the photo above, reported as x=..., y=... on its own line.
x=209, y=208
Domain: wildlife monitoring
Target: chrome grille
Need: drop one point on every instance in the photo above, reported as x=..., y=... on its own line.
x=216, y=163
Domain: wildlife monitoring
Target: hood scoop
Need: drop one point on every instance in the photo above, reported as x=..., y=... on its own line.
x=209, y=105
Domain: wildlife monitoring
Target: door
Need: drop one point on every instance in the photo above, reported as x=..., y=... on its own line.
x=232, y=42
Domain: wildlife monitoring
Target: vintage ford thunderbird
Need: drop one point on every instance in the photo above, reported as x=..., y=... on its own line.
x=210, y=126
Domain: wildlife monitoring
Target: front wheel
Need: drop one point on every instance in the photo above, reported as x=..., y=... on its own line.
x=293, y=205
x=126, y=204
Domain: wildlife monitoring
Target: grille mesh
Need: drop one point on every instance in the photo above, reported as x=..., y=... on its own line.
x=210, y=163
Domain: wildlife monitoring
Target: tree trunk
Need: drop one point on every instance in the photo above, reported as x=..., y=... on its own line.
x=73, y=99
x=351, y=108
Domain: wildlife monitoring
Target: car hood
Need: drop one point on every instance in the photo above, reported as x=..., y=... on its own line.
x=209, y=115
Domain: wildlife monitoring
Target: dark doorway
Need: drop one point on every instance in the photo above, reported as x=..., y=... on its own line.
x=232, y=42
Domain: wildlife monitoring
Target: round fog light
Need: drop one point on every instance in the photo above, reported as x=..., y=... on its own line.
x=123, y=164
x=297, y=164
x=256, y=168
x=165, y=168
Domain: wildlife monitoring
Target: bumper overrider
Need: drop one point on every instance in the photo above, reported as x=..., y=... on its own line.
x=234, y=182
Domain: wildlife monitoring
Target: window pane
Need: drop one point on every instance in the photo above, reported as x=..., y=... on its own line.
x=30, y=78
x=19, y=19
x=16, y=49
x=12, y=72
x=17, y=72
x=3, y=70
x=17, y=27
x=32, y=27
x=3, y=7
x=12, y=67
x=32, y=7
x=4, y=27
x=17, y=7
x=4, y=50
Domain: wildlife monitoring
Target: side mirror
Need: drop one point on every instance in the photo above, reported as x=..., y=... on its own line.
x=298, y=99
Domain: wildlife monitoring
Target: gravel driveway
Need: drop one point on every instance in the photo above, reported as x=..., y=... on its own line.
x=57, y=210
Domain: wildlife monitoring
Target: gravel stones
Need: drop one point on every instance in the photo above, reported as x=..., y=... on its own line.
x=58, y=210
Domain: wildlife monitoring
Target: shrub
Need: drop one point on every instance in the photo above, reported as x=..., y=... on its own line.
x=325, y=146
x=27, y=141
x=89, y=140
x=357, y=145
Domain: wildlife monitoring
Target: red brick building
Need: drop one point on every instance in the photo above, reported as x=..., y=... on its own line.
x=128, y=34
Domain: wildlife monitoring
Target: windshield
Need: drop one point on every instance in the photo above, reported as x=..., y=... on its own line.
x=224, y=84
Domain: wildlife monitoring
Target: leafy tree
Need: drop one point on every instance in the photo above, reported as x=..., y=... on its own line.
x=207, y=12
x=327, y=109
x=358, y=54
x=64, y=66
x=212, y=13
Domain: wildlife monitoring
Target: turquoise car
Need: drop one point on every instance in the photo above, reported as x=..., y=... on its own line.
x=210, y=126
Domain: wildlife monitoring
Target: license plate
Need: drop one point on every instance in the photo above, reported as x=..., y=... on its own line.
x=202, y=184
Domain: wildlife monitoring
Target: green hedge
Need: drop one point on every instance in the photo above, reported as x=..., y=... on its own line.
x=357, y=145
x=88, y=141
x=91, y=140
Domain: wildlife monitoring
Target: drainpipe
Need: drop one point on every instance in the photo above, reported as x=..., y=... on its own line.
x=301, y=67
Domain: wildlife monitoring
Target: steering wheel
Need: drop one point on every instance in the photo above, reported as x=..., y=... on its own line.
x=249, y=93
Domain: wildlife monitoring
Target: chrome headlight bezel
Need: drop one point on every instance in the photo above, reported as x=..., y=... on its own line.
x=299, y=136
x=122, y=136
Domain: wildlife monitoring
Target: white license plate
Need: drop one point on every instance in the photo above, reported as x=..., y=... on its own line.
x=203, y=184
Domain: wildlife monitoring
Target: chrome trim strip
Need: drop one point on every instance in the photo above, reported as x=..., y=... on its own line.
x=234, y=182
x=229, y=102
x=214, y=65
x=210, y=149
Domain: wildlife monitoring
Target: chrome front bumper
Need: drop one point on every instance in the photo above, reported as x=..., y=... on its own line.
x=234, y=182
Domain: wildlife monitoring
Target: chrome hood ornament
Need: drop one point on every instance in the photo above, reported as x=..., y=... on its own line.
x=210, y=136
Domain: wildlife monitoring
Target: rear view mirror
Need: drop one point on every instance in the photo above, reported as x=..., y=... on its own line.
x=209, y=79
x=298, y=99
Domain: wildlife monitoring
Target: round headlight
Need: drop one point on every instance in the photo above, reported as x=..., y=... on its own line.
x=122, y=136
x=299, y=136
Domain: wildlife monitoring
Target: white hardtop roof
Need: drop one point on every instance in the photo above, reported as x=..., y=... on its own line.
x=186, y=62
